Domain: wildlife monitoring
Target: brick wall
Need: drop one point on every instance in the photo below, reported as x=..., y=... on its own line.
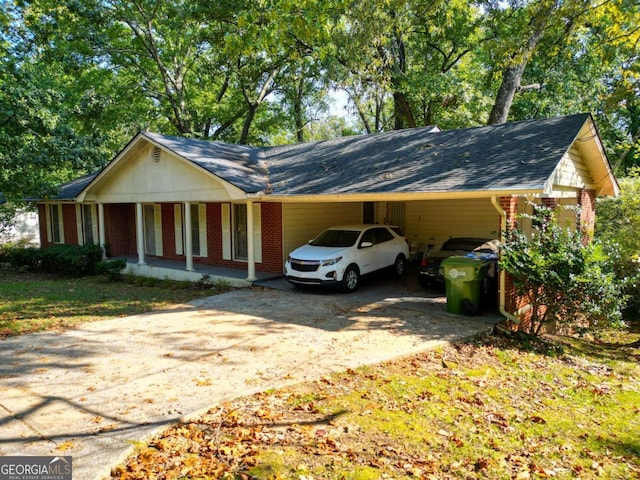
x=42, y=225
x=510, y=206
x=70, y=224
x=587, y=203
x=169, y=232
x=272, y=256
x=271, y=215
x=120, y=229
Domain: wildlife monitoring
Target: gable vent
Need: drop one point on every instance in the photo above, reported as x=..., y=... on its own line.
x=156, y=154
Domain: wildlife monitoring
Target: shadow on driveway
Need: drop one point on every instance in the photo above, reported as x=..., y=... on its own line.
x=93, y=391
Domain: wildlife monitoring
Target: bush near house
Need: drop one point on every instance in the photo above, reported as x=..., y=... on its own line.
x=74, y=260
x=618, y=223
x=569, y=283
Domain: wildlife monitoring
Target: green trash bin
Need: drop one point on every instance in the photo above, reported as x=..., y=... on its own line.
x=464, y=277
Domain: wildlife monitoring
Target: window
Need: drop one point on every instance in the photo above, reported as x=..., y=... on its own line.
x=235, y=233
x=87, y=224
x=55, y=227
x=152, y=222
x=240, y=237
x=396, y=214
x=382, y=235
x=198, y=229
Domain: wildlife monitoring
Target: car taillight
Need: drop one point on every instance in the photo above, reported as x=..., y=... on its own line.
x=423, y=263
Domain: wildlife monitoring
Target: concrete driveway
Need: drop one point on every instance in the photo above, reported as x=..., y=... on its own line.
x=90, y=392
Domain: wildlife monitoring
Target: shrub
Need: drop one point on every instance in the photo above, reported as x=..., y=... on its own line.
x=567, y=281
x=112, y=269
x=618, y=224
x=73, y=260
x=23, y=257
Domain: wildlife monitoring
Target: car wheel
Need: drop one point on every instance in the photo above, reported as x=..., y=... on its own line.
x=400, y=266
x=351, y=279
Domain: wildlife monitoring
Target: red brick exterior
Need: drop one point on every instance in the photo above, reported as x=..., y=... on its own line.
x=510, y=206
x=42, y=225
x=120, y=233
x=587, y=203
x=120, y=229
x=69, y=224
x=272, y=255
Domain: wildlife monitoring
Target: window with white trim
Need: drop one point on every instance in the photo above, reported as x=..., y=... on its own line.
x=198, y=229
x=55, y=225
x=152, y=222
x=87, y=224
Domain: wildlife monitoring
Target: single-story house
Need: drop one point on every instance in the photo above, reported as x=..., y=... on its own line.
x=23, y=226
x=207, y=205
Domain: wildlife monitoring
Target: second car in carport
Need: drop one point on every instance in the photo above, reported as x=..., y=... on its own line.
x=341, y=255
x=431, y=273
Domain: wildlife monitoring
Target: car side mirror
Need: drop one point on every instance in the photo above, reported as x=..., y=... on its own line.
x=366, y=244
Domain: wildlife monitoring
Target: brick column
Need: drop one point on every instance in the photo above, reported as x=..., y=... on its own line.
x=587, y=220
x=510, y=206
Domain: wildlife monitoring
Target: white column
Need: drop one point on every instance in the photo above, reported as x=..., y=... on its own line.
x=101, y=232
x=188, y=237
x=140, y=234
x=251, y=256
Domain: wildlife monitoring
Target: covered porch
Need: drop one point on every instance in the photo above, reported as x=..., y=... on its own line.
x=175, y=270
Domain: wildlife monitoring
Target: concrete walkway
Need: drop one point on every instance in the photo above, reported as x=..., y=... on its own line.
x=92, y=391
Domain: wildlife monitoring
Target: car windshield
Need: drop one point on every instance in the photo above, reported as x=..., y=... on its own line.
x=461, y=245
x=336, y=238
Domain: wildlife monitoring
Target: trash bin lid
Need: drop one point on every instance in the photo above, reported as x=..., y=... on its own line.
x=462, y=267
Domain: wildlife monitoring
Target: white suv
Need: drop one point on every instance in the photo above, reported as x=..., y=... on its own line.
x=340, y=255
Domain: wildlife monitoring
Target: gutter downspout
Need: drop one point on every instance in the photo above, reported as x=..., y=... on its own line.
x=503, y=274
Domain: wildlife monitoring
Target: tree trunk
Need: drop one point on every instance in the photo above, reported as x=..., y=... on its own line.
x=403, y=113
x=298, y=110
x=248, y=120
x=508, y=88
x=512, y=75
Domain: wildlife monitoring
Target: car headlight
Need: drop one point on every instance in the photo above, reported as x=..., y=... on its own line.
x=331, y=261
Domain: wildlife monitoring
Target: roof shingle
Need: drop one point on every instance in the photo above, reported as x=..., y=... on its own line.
x=510, y=156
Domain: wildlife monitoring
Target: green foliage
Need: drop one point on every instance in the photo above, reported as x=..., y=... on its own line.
x=618, y=223
x=568, y=282
x=21, y=257
x=73, y=260
x=79, y=77
x=112, y=269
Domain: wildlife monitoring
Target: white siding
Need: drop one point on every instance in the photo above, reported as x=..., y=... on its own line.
x=303, y=221
x=435, y=221
x=571, y=174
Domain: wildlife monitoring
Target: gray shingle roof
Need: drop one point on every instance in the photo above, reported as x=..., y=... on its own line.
x=70, y=190
x=518, y=155
x=510, y=156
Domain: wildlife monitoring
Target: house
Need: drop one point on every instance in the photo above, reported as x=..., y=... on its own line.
x=210, y=205
x=22, y=227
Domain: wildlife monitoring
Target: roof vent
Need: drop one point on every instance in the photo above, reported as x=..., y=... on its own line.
x=156, y=154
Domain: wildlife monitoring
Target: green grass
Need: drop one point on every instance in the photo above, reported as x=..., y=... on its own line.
x=34, y=302
x=495, y=408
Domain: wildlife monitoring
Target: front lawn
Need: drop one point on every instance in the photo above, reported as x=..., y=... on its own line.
x=32, y=302
x=494, y=408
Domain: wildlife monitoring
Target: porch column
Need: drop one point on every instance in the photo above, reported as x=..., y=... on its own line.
x=101, y=232
x=251, y=256
x=188, y=240
x=140, y=234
